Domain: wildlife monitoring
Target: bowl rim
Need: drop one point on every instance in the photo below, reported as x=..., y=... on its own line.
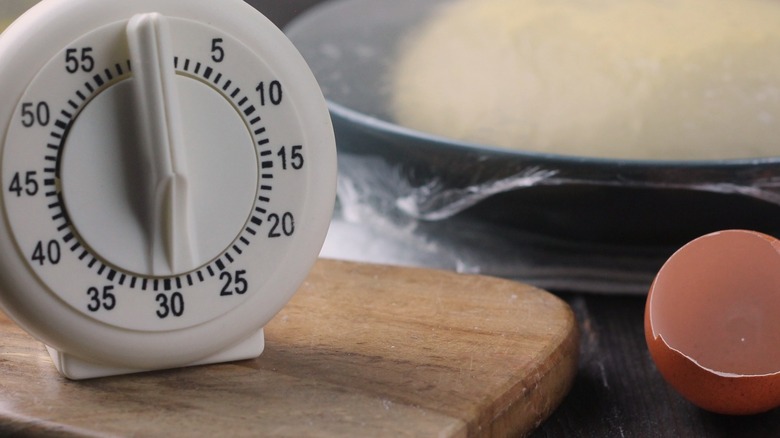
x=383, y=126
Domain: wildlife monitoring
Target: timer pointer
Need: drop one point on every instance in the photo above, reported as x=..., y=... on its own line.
x=162, y=144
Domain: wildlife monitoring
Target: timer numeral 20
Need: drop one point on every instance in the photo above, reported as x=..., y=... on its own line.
x=281, y=225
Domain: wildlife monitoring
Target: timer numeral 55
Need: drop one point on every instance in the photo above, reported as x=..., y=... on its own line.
x=79, y=59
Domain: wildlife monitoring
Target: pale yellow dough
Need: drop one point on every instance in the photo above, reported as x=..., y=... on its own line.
x=645, y=79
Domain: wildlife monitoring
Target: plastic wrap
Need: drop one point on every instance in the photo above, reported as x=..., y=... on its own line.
x=562, y=224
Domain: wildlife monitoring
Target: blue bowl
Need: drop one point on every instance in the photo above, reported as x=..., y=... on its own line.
x=648, y=207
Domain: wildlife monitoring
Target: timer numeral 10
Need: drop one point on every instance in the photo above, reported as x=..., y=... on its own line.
x=270, y=92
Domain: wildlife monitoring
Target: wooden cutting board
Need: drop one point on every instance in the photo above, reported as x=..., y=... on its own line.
x=361, y=350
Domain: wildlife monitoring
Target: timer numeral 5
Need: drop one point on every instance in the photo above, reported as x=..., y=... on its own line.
x=217, y=51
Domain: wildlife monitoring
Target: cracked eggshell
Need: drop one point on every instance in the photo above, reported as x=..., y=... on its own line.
x=712, y=322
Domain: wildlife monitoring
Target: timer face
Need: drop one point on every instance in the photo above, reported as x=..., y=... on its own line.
x=161, y=172
x=71, y=204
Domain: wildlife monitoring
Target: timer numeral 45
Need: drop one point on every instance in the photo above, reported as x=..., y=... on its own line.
x=24, y=183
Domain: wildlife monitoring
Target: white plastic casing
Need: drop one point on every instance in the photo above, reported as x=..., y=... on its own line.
x=136, y=237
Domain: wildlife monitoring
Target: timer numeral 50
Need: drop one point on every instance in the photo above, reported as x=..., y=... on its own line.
x=35, y=113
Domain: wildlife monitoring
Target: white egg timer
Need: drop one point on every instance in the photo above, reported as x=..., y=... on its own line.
x=168, y=177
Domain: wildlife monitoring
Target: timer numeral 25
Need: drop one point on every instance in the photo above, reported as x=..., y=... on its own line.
x=233, y=283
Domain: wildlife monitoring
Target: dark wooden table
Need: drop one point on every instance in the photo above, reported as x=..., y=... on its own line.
x=618, y=391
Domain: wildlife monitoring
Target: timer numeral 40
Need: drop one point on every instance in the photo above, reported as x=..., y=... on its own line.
x=47, y=253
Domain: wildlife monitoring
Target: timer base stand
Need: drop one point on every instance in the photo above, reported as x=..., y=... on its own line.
x=75, y=368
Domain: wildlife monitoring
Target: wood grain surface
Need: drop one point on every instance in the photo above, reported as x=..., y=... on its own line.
x=361, y=350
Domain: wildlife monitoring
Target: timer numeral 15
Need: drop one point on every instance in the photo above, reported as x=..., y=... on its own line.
x=291, y=157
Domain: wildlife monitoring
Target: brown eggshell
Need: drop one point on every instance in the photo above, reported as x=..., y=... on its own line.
x=712, y=322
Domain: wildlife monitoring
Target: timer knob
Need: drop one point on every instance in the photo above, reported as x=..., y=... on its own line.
x=159, y=172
